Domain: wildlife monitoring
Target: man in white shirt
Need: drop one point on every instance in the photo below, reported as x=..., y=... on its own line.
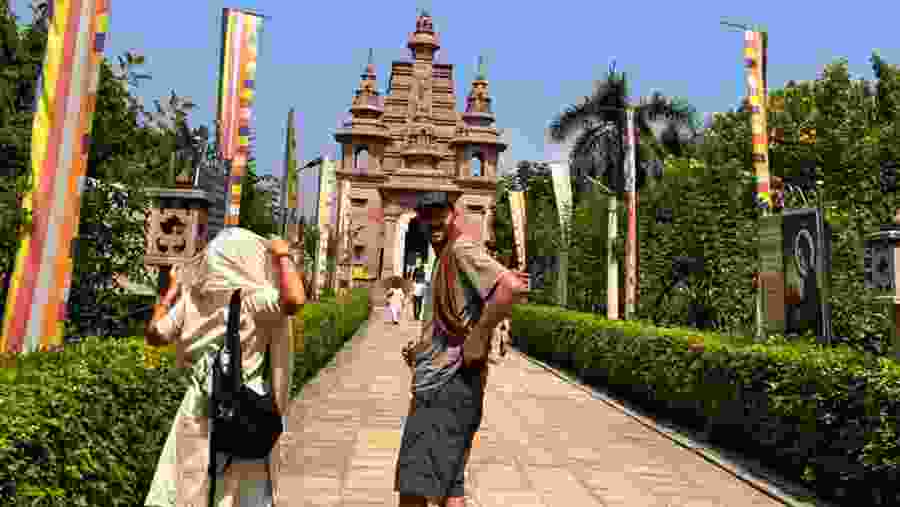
x=418, y=295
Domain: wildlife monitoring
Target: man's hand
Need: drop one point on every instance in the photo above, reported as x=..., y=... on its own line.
x=279, y=247
x=407, y=352
x=172, y=290
x=525, y=280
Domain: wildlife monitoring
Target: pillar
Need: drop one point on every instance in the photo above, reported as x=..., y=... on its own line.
x=389, y=245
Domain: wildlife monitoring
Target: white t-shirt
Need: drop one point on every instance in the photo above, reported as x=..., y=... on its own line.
x=419, y=290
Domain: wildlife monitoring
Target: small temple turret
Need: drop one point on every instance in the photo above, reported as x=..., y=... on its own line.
x=424, y=43
x=477, y=142
x=364, y=135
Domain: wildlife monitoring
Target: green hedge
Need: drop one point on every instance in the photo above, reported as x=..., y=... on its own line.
x=825, y=416
x=85, y=426
x=327, y=325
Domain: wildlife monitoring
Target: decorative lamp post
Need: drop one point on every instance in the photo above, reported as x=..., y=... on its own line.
x=177, y=226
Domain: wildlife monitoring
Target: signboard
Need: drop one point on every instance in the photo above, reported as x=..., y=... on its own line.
x=807, y=265
x=771, y=250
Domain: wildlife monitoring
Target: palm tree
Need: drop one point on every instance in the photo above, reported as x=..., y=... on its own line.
x=598, y=124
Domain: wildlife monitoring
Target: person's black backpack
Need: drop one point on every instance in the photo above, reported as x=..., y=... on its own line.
x=243, y=424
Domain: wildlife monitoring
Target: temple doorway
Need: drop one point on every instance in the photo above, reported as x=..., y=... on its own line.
x=415, y=249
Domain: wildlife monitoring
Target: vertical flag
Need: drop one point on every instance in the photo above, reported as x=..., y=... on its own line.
x=562, y=188
x=770, y=295
x=327, y=205
x=631, y=206
x=345, y=248
x=289, y=181
x=64, y=110
x=517, y=210
x=753, y=60
x=237, y=85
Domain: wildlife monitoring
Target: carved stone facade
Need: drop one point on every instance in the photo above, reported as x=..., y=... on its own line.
x=412, y=141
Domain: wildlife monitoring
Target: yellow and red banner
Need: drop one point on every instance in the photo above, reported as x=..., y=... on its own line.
x=754, y=61
x=237, y=87
x=517, y=210
x=64, y=109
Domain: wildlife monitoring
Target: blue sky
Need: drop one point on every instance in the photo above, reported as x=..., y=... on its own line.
x=541, y=55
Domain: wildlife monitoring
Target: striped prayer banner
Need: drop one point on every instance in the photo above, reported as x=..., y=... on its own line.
x=517, y=211
x=237, y=85
x=754, y=58
x=64, y=110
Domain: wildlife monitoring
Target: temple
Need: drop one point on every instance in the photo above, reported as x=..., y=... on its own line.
x=413, y=140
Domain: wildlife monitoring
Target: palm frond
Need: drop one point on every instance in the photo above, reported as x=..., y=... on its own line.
x=594, y=152
x=602, y=106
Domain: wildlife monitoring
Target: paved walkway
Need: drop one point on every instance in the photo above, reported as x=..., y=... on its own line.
x=543, y=442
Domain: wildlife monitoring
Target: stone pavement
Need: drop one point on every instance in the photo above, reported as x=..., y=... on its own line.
x=543, y=442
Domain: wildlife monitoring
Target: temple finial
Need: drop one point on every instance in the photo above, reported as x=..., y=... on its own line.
x=480, y=70
x=371, y=56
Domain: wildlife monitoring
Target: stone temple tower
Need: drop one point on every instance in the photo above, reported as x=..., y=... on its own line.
x=410, y=140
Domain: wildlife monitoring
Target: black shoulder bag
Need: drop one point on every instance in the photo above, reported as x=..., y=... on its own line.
x=243, y=424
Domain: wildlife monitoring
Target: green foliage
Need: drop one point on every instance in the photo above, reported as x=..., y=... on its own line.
x=596, y=126
x=86, y=426
x=847, y=127
x=542, y=234
x=710, y=208
x=326, y=326
x=21, y=56
x=853, y=130
x=97, y=413
x=822, y=415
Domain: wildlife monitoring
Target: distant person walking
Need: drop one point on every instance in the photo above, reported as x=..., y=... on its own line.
x=419, y=294
x=395, y=297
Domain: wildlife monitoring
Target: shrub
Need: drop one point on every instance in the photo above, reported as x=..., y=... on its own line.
x=325, y=327
x=826, y=416
x=85, y=426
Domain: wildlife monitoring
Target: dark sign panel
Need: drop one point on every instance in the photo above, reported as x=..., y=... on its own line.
x=807, y=265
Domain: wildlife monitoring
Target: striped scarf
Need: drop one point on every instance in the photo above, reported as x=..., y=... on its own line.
x=448, y=309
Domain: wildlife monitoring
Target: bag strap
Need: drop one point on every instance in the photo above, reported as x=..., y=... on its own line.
x=233, y=339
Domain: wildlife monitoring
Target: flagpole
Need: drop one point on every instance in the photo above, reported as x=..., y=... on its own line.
x=631, y=208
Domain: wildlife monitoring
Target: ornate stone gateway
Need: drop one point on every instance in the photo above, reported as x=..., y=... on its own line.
x=411, y=141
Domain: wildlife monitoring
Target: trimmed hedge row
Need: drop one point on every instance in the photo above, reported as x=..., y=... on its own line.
x=85, y=426
x=827, y=417
x=325, y=327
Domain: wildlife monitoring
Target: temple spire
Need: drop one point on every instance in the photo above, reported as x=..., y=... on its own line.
x=481, y=70
x=370, y=66
x=424, y=41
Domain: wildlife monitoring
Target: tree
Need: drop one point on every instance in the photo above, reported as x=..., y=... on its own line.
x=665, y=126
x=542, y=242
x=844, y=128
x=598, y=125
